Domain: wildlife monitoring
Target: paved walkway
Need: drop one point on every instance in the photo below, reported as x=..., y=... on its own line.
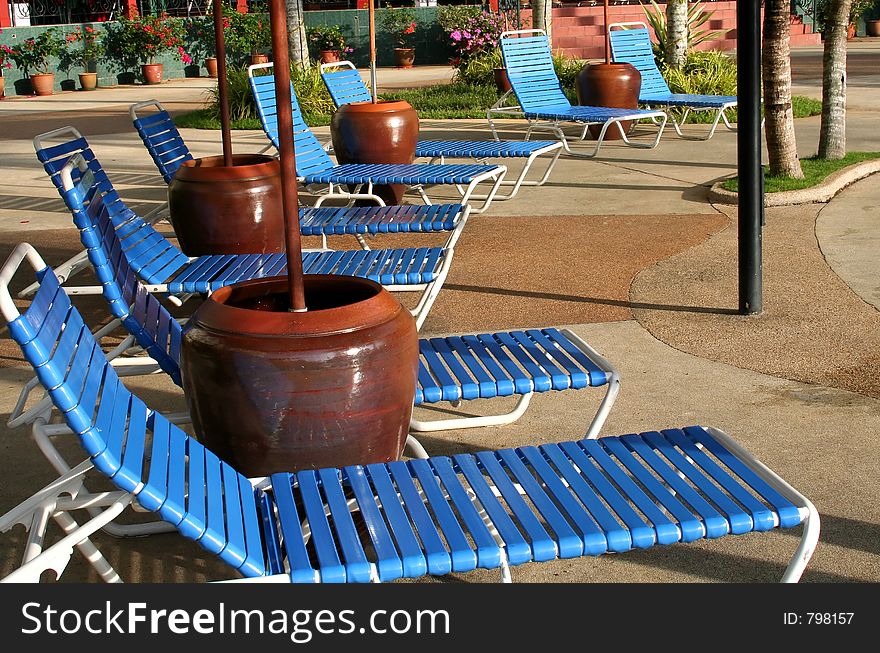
x=626, y=250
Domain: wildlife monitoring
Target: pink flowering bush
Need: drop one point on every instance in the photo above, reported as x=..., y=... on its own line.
x=476, y=35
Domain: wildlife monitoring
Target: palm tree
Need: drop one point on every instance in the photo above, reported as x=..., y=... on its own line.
x=776, y=74
x=542, y=15
x=832, y=133
x=676, y=33
x=296, y=34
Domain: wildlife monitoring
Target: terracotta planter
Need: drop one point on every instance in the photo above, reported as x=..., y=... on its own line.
x=218, y=209
x=43, y=83
x=502, y=82
x=2, y=87
x=385, y=132
x=211, y=66
x=872, y=27
x=88, y=81
x=152, y=73
x=330, y=56
x=609, y=85
x=271, y=390
x=404, y=57
x=850, y=32
x=259, y=58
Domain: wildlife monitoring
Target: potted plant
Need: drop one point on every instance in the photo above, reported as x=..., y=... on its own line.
x=85, y=55
x=33, y=57
x=400, y=23
x=199, y=33
x=474, y=39
x=329, y=42
x=248, y=34
x=140, y=39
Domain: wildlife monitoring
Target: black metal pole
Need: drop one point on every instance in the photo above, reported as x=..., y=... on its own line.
x=749, y=169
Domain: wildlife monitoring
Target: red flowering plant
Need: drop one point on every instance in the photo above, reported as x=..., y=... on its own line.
x=140, y=39
x=33, y=55
x=400, y=23
x=83, y=49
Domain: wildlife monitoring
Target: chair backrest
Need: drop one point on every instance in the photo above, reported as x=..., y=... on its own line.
x=631, y=43
x=140, y=312
x=311, y=157
x=529, y=63
x=150, y=254
x=138, y=449
x=344, y=83
x=159, y=133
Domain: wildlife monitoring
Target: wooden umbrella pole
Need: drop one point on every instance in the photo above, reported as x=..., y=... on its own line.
x=607, y=36
x=372, y=13
x=286, y=154
x=222, y=82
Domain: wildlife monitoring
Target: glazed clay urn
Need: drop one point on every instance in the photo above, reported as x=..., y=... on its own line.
x=380, y=132
x=609, y=85
x=271, y=390
x=220, y=209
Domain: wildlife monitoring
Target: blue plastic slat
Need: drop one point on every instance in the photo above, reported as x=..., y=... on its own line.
x=214, y=537
x=357, y=567
x=332, y=568
x=289, y=519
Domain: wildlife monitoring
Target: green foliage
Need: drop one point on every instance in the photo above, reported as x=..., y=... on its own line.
x=857, y=8
x=477, y=71
x=199, y=31
x=246, y=34
x=326, y=37
x=34, y=53
x=451, y=17
x=815, y=171
x=314, y=100
x=85, y=55
x=400, y=23
x=138, y=40
x=696, y=33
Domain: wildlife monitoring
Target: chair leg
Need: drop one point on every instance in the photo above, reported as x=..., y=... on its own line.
x=426, y=426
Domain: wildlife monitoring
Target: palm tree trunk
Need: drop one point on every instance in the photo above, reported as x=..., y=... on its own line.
x=832, y=133
x=676, y=32
x=296, y=34
x=542, y=15
x=776, y=74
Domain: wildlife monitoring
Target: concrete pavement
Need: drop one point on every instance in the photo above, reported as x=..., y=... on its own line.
x=626, y=250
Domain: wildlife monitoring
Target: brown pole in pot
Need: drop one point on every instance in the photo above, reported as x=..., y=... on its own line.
x=222, y=82
x=287, y=155
x=372, y=12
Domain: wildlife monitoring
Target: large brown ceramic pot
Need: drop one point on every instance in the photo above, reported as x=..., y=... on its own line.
x=609, y=85
x=384, y=132
x=271, y=390
x=219, y=209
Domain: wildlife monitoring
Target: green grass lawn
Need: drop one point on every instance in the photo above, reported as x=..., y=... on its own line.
x=815, y=171
x=440, y=102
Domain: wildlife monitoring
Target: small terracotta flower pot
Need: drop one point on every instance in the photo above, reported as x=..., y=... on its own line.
x=271, y=390
x=2, y=87
x=330, y=56
x=88, y=81
x=43, y=83
x=211, y=66
x=384, y=132
x=152, y=73
x=259, y=58
x=404, y=57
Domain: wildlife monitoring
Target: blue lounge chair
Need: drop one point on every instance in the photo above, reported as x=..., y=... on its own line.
x=631, y=43
x=451, y=369
x=529, y=63
x=492, y=509
x=345, y=85
x=314, y=165
x=163, y=268
x=314, y=221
